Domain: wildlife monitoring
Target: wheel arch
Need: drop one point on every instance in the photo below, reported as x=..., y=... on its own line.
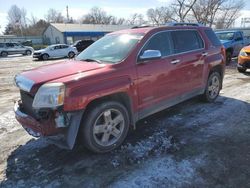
x=220, y=70
x=120, y=97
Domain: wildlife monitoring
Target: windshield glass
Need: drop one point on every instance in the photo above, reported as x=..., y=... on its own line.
x=111, y=48
x=225, y=36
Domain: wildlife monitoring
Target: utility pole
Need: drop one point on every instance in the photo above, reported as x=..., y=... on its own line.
x=67, y=9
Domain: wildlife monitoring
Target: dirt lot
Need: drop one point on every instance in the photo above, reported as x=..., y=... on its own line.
x=193, y=144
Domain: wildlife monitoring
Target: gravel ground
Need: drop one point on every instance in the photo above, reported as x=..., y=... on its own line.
x=193, y=144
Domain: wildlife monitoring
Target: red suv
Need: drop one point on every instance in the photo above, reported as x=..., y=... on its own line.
x=118, y=80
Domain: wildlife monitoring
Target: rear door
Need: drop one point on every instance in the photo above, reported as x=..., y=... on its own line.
x=64, y=50
x=238, y=43
x=10, y=48
x=189, y=57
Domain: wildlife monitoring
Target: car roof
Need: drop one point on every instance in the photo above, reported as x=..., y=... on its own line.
x=145, y=30
x=53, y=45
x=231, y=31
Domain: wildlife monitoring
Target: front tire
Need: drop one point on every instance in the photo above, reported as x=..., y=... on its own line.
x=45, y=57
x=213, y=87
x=71, y=54
x=241, y=70
x=105, y=126
x=4, y=54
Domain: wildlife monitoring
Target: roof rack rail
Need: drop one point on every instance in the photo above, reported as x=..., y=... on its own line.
x=183, y=24
x=141, y=26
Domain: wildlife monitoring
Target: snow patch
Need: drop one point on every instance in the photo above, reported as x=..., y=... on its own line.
x=162, y=172
x=154, y=145
x=8, y=123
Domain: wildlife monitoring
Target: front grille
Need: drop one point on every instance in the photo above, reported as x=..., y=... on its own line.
x=247, y=64
x=27, y=101
x=37, y=53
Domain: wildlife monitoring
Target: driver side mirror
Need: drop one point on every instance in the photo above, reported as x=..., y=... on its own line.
x=150, y=54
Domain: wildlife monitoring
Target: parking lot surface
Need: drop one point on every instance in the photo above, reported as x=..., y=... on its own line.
x=193, y=144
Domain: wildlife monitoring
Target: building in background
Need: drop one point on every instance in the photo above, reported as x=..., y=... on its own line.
x=69, y=33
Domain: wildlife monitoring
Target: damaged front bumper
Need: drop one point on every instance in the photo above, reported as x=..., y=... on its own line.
x=63, y=137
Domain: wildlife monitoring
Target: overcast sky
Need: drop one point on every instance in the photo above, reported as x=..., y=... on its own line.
x=77, y=8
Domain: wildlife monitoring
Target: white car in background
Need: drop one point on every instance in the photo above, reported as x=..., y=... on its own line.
x=12, y=48
x=55, y=51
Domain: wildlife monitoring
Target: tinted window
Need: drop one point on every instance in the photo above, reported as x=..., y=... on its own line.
x=212, y=37
x=238, y=36
x=9, y=45
x=57, y=47
x=186, y=41
x=64, y=46
x=161, y=42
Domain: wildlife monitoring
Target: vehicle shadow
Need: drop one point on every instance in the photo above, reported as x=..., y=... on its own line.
x=39, y=164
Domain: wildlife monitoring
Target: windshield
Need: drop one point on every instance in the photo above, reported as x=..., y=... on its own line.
x=111, y=48
x=225, y=36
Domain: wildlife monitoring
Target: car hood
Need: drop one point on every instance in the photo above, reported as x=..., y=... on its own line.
x=226, y=43
x=47, y=73
x=40, y=51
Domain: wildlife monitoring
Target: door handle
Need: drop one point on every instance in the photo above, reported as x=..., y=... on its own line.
x=175, y=61
x=204, y=54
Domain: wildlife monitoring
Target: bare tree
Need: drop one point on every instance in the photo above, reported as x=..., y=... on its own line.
x=221, y=13
x=181, y=9
x=53, y=16
x=228, y=13
x=136, y=19
x=160, y=15
x=97, y=16
x=17, y=16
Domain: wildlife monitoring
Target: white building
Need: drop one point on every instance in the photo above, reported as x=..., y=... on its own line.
x=69, y=33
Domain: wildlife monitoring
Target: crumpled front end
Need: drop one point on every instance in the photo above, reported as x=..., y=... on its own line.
x=59, y=127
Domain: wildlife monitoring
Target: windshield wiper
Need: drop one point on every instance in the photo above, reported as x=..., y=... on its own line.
x=92, y=60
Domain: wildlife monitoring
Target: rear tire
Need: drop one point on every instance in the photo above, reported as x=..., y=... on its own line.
x=228, y=57
x=4, y=54
x=241, y=70
x=104, y=126
x=213, y=87
x=28, y=52
x=45, y=57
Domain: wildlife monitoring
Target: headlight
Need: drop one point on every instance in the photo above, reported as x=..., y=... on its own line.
x=49, y=96
x=243, y=53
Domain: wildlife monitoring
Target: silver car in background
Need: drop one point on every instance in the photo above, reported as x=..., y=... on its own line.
x=11, y=48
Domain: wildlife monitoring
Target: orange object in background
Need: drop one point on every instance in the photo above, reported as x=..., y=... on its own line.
x=244, y=59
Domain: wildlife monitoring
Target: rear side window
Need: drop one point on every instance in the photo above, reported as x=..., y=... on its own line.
x=187, y=40
x=212, y=37
x=160, y=41
x=10, y=45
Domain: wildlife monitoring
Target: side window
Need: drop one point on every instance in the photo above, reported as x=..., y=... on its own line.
x=161, y=42
x=212, y=37
x=56, y=47
x=9, y=45
x=1, y=45
x=238, y=36
x=64, y=46
x=187, y=40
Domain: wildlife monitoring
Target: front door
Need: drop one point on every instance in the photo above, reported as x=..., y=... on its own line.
x=155, y=79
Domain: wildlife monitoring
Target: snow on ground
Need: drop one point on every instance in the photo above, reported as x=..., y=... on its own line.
x=162, y=172
x=8, y=124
